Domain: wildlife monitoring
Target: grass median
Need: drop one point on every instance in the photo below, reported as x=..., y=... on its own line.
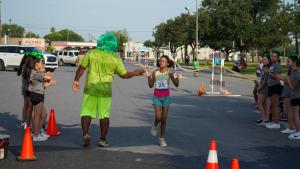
x=250, y=71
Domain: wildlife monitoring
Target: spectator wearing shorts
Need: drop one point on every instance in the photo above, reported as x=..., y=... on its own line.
x=259, y=68
x=23, y=71
x=263, y=99
x=286, y=94
x=37, y=95
x=294, y=84
x=274, y=90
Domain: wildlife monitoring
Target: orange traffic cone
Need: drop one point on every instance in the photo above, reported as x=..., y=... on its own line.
x=202, y=90
x=212, y=160
x=27, y=153
x=52, y=129
x=235, y=164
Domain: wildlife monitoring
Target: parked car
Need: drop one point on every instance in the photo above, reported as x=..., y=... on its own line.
x=11, y=55
x=51, y=61
x=68, y=57
x=55, y=53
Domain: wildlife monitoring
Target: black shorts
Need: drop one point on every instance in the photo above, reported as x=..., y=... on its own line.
x=36, y=98
x=295, y=102
x=276, y=89
x=27, y=93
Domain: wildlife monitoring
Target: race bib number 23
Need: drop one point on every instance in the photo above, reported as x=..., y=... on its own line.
x=162, y=84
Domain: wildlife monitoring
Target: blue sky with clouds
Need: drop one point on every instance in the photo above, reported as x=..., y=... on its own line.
x=93, y=17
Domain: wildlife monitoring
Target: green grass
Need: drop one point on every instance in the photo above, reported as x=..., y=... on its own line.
x=250, y=70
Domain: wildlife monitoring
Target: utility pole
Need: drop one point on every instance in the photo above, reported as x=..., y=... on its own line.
x=197, y=27
x=0, y=21
x=9, y=32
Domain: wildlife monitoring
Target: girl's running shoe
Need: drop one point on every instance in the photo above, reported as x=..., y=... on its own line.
x=154, y=130
x=162, y=142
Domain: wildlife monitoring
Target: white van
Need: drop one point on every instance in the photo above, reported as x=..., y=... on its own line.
x=11, y=55
x=68, y=57
x=51, y=61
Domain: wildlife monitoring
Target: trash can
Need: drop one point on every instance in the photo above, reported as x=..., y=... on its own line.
x=196, y=65
x=4, y=141
x=218, y=61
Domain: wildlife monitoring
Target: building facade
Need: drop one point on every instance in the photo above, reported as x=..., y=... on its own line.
x=37, y=42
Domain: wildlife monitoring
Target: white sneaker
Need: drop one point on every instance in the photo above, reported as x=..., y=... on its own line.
x=43, y=134
x=273, y=126
x=268, y=123
x=154, y=130
x=39, y=138
x=288, y=131
x=162, y=142
x=295, y=136
x=103, y=143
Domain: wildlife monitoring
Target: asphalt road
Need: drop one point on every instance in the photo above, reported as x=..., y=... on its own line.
x=192, y=123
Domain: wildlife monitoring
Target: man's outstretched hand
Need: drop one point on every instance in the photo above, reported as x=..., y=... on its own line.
x=139, y=72
x=136, y=72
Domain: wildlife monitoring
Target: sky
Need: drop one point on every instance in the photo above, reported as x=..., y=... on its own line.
x=90, y=18
x=93, y=17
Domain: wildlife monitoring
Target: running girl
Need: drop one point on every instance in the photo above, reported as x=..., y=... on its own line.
x=160, y=80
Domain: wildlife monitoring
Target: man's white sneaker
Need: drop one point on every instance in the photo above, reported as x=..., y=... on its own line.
x=295, y=136
x=273, y=126
x=154, y=131
x=288, y=131
x=39, y=138
x=43, y=134
x=162, y=142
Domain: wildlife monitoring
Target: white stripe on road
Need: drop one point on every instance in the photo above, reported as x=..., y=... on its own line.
x=153, y=149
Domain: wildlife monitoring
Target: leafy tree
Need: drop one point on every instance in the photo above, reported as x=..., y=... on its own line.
x=170, y=33
x=50, y=49
x=56, y=36
x=295, y=25
x=31, y=35
x=148, y=43
x=123, y=37
x=63, y=35
x=52, y=30
x=250, y=24
x=13, y=30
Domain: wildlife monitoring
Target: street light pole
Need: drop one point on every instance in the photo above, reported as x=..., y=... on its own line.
x=187, y=9
x=9, y=32
x=0, y=22
x=197, y=27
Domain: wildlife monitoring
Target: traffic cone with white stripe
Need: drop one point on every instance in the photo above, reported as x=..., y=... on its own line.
x=212, y=160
